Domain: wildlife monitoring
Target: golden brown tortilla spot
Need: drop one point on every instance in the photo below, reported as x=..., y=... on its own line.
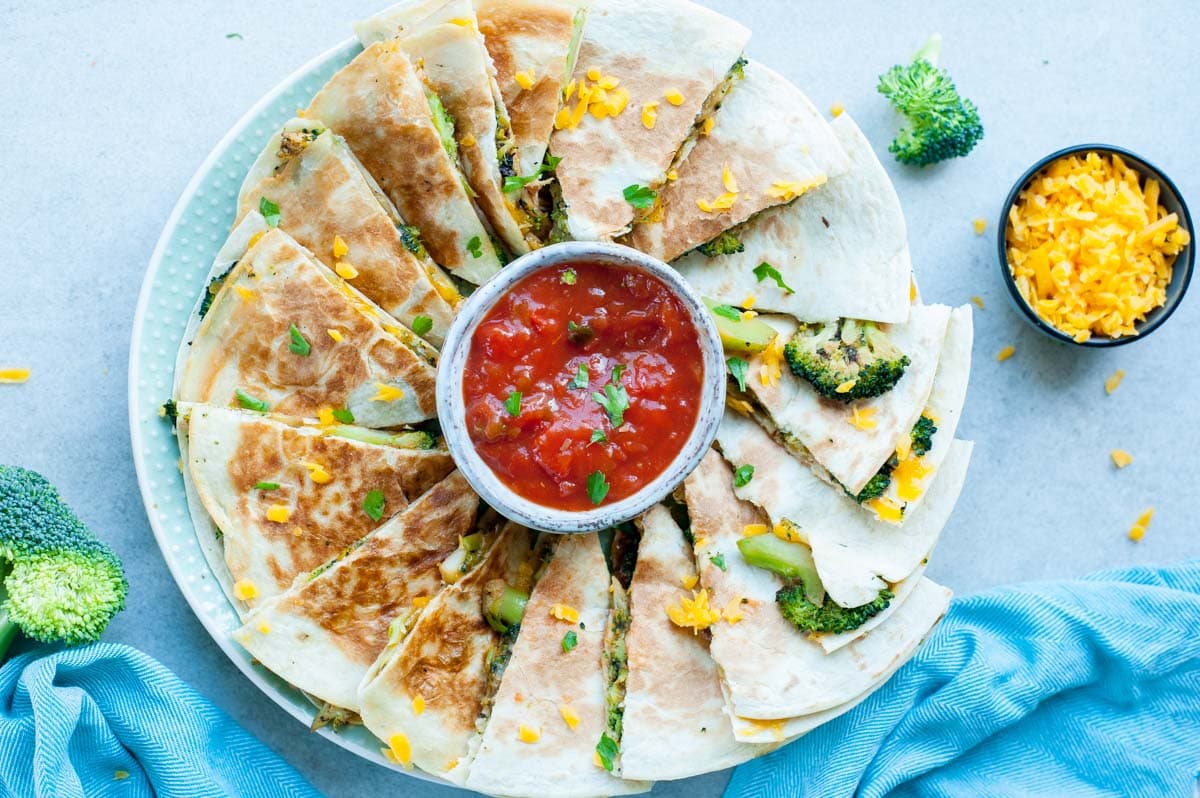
x=713, y=509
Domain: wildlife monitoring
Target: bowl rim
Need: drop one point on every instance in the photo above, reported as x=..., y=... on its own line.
x=452, y=411
x=1186, y=262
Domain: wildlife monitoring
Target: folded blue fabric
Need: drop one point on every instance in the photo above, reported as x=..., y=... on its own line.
x=108, y=720
x=1080, y=688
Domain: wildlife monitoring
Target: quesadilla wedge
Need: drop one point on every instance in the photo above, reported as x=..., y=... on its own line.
x=840, y=252
x=673, y=698
x=399, y=130
x=549, y=713
x=245, y=466
x=772, y=670
x=650, y=75
x=284, y=333
x=533, y=45
x=443, y=37
x=852, y=441
x=433, y=685
x=856, y=556
x=768, y=146
x=335, y=209
x=324, y=633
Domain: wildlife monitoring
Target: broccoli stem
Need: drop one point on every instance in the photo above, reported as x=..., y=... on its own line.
x=8, y=629
x=930, y=50
x=507, y=609
x=792, y=561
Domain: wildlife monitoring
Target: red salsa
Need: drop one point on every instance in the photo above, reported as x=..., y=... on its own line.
x=582, y=384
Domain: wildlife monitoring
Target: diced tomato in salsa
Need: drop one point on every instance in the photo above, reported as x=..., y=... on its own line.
x=644, y=377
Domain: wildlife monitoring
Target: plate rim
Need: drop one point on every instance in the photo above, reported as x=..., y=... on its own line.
x=136, y=416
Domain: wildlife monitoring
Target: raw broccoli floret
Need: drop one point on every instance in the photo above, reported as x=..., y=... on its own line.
x=725, y=244
x=410, y=237
x=828, y=616
x=845, y=359
x=942, y=123
x=922, y=436
x=61, y=583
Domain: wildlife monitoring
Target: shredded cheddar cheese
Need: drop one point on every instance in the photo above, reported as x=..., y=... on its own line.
x=264, y=628
x=753, y=530
x=980, y=226
x=420, y=602
x=732, y=613
x=786, y=530
x=318, y=474
x=528, y=734
x=336, y=335
x=1114, y=382
x=245, y=293
x=689, y=581
x=728, y=180
x=693, y=613
x=325, y=416
x=418, y=705
x=908, y=476
x=837, y=110
x=524, y=79
x=569, y=715
x=649, y=115
x=120, y=775
x=14, y=376
x=846, y=387
x=863, y=418
x=772, y=362
x=788, y=191
x=598, y=94
x=278, y=513
x=345, y=270
x=387, y=393
x=673, y=175
x=885, y=510
x=593, y=74
x=399, y=750
x=244, y=590
x=1138, y=530
x=1005, y=353
x=739, y=406
x=1089, y=246
x=674, y=96
x=707, y=127
x=340, y=248
x=564, y=612
x=254, y=239
x=721, y=203
x=978, y=301
x=1120, y=457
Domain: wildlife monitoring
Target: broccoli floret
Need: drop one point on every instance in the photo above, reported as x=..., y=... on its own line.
x=61, y=583
x=214, y=287
x=828, y=616
x=410, y=237
x=169, y=411
x=922, y=436
x=942, y=124
x=846, y=359
x=878, y=484
x=725, y=244
x=738, y=70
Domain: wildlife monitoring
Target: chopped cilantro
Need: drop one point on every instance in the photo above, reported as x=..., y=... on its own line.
x=617, y=371
x=743, y=475
x=299, y=344
x=738, y=368
x=580, y=380
x=513, y=403
x=606, y=749
x=269, y=210
x=475, y=247
x=598, y=436
x=718, y=560
x=641, y=197
x=249, y=402
x=568, y=277
x=344, y=415
x=233, y=35
x=597, y=487
x=728, y=311
x=569, y=641
x=615, y=401
x=267, y=486
x=421, y=325
x=580, y=334
x=373, y=505
x=764, y=270
x=513, y=183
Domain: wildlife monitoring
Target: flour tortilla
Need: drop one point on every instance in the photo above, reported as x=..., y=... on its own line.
x=674, y=724
x=322, y=193
x=843, y=250
x=541, y=678
x=651, y=46
x=771, y=670
x=766, y=133
x=243, y=342
x=324, y=633
x=856, y=555
x=442, y=662
x=822, y=426
x=230, y=452
x=443, y=37
x=378, y=104
x=533, y=37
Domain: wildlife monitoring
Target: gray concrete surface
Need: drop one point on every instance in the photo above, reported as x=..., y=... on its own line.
x=110, y=107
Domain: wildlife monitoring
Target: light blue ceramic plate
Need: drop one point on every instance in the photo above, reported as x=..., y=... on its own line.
x=178, y=273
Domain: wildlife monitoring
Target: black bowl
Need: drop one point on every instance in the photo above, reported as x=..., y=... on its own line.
x=1169, y=198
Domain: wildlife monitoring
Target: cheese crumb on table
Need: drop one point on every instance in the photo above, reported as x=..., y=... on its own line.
x=1138, y=530
x=1113, y=382
x=1120, y=457
x=1005, y=353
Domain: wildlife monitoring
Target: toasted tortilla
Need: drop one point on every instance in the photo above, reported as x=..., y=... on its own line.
x=324, y=633
x=442, y=662
x=378, y=103
x=886, y=652
x=541, y=679
x=775, y=145
x=856, y=555
x=323, y=193
x=673, y=698
x=823, y=426
x=771, y=670
x=651, y=47
x=244, y=342
x=533, y=38
x=443, y=36
x=232, y=452
x=842, y=250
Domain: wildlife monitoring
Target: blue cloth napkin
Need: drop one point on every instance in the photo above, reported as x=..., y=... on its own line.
x=74, y=722
x=1080, y=688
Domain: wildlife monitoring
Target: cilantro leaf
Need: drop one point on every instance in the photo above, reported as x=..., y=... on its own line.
x=569, y=641
x=606, y=749
x=514, y=183
x=513, y=403
x=299, y=344
x=269, y=210
x=568, y=277
x=233, y=35
x=728, y=311
x=249, y=402
x=475, y=247
x=738, y=368
x=764, y=270
x=373, y=505
x=598, y=436
x=597, y=487
x=267, y=486
x=615, y=401
x=421, y=325
x=718, y=560
x=580, y=380
x=580, y=334
x=344, y=415
x=617, y=371
x=641, y=197
x=743, y=475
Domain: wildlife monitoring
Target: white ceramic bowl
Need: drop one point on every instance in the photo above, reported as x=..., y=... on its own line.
x=452, y=407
